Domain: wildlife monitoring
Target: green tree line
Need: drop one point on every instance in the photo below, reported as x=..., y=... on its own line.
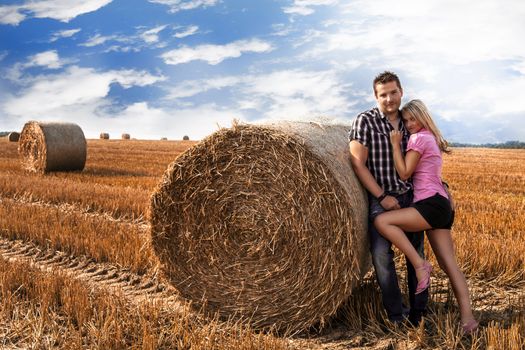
x=508, y=144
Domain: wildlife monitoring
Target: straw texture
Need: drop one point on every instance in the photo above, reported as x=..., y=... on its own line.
x=13, y=136
x=52, y=146
x=266, y=223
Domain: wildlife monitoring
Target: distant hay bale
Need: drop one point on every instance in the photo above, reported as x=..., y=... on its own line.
x=52, y=146
x=104, y=136
x=163, y=138
x=186, y=138
x=266, y=223
x=13, y=136
x=126, y=136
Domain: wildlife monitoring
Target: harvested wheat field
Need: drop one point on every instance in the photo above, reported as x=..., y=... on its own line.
x=79, y=269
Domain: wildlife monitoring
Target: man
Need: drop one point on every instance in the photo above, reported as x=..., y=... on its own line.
x=372, y=160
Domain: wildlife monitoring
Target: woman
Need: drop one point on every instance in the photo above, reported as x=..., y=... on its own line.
x=432, y=208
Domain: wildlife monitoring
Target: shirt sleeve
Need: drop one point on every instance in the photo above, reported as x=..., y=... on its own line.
x=416, y=143
x=360, y=131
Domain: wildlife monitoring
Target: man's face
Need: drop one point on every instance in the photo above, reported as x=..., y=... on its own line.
x=388, y=97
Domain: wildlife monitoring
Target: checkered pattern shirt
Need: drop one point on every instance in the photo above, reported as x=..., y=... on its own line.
x=372, y=129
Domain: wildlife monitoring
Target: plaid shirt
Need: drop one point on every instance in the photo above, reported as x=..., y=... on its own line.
x=372, y=129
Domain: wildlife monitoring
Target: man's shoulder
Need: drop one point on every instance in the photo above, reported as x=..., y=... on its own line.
x=370, y=114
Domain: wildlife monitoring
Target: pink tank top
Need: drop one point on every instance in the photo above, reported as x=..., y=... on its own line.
x=427, y=175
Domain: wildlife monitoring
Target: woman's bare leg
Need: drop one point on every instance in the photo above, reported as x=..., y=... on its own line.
x=443, y=247
x=393, y=224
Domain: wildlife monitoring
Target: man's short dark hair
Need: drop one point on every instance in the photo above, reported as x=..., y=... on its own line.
x=386, y=77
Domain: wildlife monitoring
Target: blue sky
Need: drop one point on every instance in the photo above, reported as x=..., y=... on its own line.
x=168, y=68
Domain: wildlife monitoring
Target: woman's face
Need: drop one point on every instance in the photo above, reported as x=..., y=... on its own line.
x=411, y=123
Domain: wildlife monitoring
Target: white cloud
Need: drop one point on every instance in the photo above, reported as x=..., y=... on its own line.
x=128, y=78
x=284, y=94
x=151, y=36
x=449, y=30
x=179, y=5
x=191, y=30
x=121, y=48
x=298, y=10
x=140, y=120
x=495, y=98
x=130, y=43
x=215, y=54
x=80, y=95
x=47, y=59
x=73, y=88
x=98, y=39
x=64, y=34
x=11, y=15
x=465, y=61
x=281, y=29
x=195, y=87
x=298, y=94
x=304, y=7
x=519, y=66
x=62, y=10
x=150, y=122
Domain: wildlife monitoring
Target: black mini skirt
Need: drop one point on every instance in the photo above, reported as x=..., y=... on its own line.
x=436, y=210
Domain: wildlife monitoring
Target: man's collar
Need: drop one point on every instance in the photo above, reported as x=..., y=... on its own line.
x=402, y=126
x=383, y=116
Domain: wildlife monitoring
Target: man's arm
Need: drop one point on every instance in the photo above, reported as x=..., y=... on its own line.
x=358, y=158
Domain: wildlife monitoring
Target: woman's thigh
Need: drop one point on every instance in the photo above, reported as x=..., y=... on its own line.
x=407, y=219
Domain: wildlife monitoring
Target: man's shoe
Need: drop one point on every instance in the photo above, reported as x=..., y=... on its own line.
x=414, y=320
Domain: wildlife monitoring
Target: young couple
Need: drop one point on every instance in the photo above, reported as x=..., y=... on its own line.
x=384, y=157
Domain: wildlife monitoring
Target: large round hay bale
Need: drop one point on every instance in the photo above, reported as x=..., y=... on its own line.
x=104, y=136
x=185, y=138
x=52, y=146
x=266, y=223
x=126, y=136
x=13, y=136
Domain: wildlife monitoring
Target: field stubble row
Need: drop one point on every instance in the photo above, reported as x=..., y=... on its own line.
x=50, y=311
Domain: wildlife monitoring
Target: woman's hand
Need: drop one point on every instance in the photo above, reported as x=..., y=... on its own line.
x=395, y=137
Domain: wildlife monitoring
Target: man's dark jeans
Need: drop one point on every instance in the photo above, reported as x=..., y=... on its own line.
x=383, y=260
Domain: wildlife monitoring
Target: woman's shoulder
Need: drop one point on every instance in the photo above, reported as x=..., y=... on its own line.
x=421, y=140
x=422, y=135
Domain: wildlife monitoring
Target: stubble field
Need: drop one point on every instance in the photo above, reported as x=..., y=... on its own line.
x=77, y=269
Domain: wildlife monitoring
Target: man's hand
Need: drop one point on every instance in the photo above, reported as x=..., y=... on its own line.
x=390, y=203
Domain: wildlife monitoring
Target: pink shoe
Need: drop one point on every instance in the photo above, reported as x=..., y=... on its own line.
x=470, y=327
x=424, y=283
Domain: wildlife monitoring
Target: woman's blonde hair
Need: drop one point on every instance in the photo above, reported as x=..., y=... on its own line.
x=419, y=111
